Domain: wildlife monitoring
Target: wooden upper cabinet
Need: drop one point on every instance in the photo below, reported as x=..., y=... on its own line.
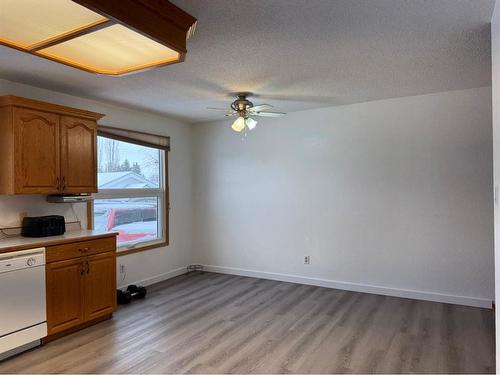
x=78, y=155
x=46, y=148
x=36, y=151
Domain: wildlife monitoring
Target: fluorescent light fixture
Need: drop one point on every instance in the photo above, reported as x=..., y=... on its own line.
x=98, y=36
x=113, y=50
x=238, y=124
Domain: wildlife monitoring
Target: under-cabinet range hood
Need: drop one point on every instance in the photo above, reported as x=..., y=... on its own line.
x=70, y=198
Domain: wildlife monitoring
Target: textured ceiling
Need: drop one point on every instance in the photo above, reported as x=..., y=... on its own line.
x=295, y=55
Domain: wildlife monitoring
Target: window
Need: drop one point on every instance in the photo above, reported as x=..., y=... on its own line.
x=132, y=198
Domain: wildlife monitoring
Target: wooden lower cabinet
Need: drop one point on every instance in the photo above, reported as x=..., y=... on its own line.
x=65, y=295
x=80, y=290
x=100, y=286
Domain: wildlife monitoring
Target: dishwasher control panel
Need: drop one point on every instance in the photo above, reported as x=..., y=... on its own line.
x=18, y=260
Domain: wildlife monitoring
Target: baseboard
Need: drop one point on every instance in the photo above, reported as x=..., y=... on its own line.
x=157, y=278
x=355, y=287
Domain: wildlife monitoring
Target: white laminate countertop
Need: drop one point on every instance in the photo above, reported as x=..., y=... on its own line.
x=23, y=243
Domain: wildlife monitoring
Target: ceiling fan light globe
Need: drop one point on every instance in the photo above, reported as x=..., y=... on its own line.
x=251, y=123
x=238, y=124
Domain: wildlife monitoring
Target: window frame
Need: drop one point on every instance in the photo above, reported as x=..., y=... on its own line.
x=162, y=194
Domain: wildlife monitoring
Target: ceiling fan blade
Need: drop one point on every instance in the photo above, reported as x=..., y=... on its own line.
x=229, y=112
x=269, y=114
x=261, y=107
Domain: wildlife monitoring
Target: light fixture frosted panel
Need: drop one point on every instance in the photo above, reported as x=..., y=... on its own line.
x=112, y=50
x=26, y=23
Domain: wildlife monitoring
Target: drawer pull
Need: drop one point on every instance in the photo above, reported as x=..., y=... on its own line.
x=83, y=250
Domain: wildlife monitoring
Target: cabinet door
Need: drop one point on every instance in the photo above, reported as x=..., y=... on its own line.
x=100, y=285
x=78, y=155
x=65, y=294
x=36, y=152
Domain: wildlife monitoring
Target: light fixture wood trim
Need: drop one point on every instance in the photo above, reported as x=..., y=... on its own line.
x=16, y=101
x=98, y=25
x=93, y=71
x=160, y=21
x=108, y=23
x=134, y=69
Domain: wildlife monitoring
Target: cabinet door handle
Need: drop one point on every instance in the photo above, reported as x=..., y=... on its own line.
x=83, y=249
x=63, y=183
x=58, y=183
x=82, y=269
x=88, y=267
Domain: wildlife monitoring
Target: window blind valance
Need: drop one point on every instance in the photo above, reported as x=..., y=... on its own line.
x=132, y=136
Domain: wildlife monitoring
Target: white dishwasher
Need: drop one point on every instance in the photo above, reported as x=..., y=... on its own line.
x=23, y=319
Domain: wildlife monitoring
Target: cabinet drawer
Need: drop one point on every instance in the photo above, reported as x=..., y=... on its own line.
x=80, y=249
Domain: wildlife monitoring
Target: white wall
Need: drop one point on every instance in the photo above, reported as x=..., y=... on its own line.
x=495, y=68
x=391, y=196
x=149, y=265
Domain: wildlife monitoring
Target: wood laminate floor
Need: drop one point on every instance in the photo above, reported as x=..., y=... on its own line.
x=214, y=323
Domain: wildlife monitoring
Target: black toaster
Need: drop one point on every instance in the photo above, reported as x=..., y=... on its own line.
x=43, y=226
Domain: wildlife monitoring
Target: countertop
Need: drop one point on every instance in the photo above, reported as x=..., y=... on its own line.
x=23, y=243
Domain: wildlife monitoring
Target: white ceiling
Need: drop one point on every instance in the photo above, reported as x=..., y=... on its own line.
x=295, y=54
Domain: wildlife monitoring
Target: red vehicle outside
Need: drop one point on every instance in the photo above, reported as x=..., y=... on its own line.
x=132, y=224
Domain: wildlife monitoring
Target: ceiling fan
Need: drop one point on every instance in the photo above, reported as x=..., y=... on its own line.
x=245, y=110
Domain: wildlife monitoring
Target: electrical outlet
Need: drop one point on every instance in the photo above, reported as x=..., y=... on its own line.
x=122, y=268
x=307, y=259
